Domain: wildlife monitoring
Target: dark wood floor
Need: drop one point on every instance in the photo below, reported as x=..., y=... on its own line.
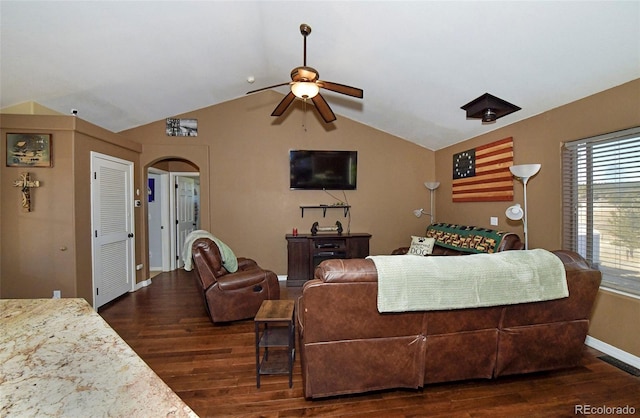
x=212, y=368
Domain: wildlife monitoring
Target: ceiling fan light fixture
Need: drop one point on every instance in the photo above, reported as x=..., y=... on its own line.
x=306, y=84
x=305, y=89
x=489, y=108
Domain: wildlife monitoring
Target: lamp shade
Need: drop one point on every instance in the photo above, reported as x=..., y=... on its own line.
x=418, y=212
x=524, y=170
x=431, y=185
x=305, y=89
x=515, y=212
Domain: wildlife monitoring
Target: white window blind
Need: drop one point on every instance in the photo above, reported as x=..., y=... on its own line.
x=601, y=205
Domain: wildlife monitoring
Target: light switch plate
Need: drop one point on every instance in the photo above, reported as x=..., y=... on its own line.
x=494, y=221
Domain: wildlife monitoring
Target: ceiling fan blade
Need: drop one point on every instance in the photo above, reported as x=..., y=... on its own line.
x=323, y=108
x=283, y=105
x=270, y=87
x=341, y=88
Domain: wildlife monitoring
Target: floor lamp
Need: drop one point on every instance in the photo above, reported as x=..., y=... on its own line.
x=432, y=186
x=524, y=172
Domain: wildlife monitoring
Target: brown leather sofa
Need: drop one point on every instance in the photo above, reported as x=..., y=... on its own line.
x=347, y=346
x=231, y=296
x=452, y=239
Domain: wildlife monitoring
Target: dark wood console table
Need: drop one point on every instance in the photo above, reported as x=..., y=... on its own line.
x=306, y=251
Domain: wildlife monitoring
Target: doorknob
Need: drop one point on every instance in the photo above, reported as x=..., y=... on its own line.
x=130, y=235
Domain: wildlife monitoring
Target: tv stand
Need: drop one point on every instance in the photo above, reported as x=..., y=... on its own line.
x=306, y=251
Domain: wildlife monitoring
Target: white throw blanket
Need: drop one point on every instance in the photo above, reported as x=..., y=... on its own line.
x=416, y=283
x=229, y=260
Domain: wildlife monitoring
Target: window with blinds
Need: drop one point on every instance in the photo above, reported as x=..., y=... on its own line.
x=601, y=205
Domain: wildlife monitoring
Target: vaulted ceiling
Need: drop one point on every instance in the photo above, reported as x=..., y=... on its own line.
x=125, y=64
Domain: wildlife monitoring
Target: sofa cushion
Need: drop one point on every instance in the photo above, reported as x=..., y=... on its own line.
x=421, y=245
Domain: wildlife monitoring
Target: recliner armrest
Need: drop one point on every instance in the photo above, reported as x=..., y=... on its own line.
x=246, y=263
x=242, y=279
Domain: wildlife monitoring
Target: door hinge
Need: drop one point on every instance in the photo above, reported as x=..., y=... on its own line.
x=95, y=233
x=95, y=175
x=97, y=291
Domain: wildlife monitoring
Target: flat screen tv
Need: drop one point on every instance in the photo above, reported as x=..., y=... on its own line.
x=318, y=170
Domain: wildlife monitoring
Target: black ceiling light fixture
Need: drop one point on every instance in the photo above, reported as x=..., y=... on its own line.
x=488, y=108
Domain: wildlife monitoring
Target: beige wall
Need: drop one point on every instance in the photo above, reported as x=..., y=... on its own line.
x=243, y=155
x=50, y=248
x=538, y=140
x=37, y=247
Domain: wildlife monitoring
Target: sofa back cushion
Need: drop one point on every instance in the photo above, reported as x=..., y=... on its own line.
x=340, y=304
x=471, y=239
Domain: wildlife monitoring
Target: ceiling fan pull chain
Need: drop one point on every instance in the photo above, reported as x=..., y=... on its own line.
x=304, y=115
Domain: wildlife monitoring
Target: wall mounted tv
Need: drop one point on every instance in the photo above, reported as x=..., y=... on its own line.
x=318, y=170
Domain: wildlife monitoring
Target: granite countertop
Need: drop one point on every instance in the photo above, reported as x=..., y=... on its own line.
x=59, y=358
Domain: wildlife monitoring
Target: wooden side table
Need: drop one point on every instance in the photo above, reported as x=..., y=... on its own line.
x=275, y=338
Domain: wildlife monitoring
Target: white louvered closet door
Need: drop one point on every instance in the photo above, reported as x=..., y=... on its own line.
x=112, y=227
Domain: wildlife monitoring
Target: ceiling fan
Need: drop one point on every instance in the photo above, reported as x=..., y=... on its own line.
x=306, y=84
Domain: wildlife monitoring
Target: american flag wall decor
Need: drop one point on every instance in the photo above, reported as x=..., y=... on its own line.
x=482, y=174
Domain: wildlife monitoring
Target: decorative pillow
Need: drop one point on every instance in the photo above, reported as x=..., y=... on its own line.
x=421, y=245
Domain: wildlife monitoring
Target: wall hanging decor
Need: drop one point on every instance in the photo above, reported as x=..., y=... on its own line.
x=26, y=184
x=482, y=174
x=182, y=127
x=29, y=150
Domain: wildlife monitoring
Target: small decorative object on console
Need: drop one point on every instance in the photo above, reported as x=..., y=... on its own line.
x=315, y=228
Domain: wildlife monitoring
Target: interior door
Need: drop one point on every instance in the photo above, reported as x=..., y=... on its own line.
x=185, y=212
x=112, y=226
x=155, y=227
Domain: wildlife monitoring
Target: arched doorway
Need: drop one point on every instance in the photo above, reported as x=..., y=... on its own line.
x=173, y=210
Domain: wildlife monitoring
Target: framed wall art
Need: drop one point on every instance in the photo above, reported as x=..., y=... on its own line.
x=182, y=127
x=482, y=174
x=29, y=150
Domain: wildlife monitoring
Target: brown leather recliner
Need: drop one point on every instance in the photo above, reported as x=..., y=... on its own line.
x=231, y=296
